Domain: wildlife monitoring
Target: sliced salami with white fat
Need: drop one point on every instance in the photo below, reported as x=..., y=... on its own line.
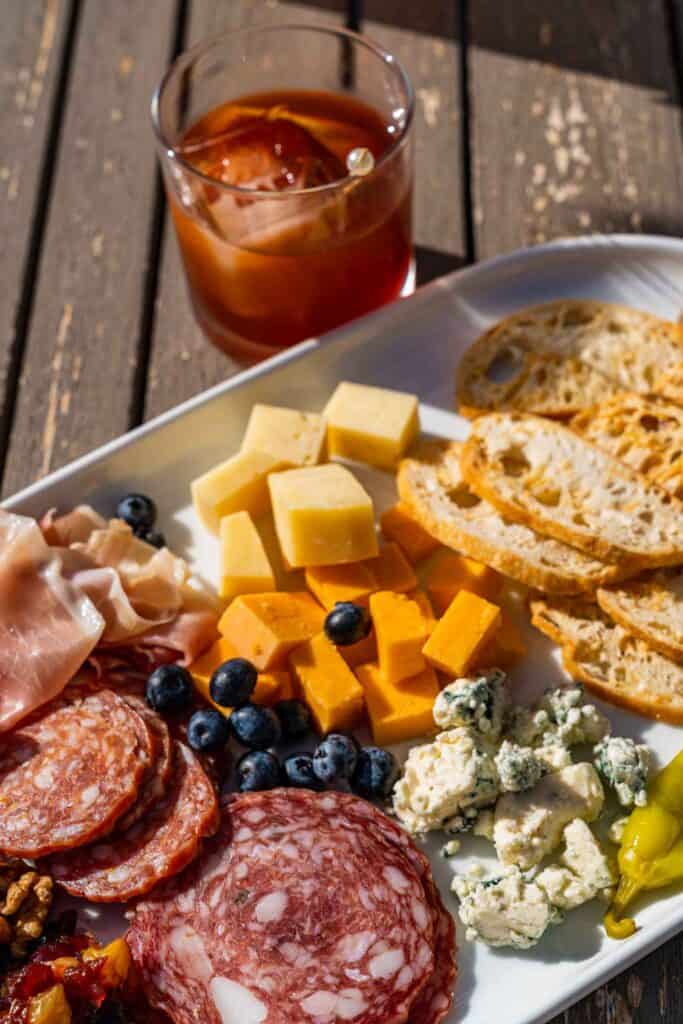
x=158, y=774
x=69, y=772
x=299, y=910
x=156, y=847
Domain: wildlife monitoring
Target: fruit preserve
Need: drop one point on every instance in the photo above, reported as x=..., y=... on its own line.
x=292, y=211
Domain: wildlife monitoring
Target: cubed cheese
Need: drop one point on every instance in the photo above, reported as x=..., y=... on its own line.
x=362, y=652
x=421, y=599
x=245, y=568
x=332, y=583
x=451, y=573
x=238, y=484
x=401, y=712
x=392, y=570
x=401, y=632
x=265, y=627
x=464, y=631
x=270, y=686
x=398, y=525
x=505, y=649
x=372, y=425
x=323, y=516
x=329, y=687
x=287, y=434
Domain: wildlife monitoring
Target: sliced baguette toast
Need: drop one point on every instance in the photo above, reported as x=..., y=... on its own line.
x=618, y=667
x=563, y=356
x=651, y=609
x=646, y=433
x=541, y=473
x=431, y=484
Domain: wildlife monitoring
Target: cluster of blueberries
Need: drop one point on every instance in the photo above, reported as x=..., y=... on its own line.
x=140, y=513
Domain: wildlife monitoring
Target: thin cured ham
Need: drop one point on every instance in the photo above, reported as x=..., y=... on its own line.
x=48, y=625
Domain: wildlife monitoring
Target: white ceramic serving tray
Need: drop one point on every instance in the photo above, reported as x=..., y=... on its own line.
x=413, y=345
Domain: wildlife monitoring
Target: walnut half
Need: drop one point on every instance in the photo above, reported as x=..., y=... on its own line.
x=26, y=897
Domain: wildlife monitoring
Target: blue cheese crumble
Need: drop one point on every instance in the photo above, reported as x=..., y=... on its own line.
x=509, y=909
x=477, y=703
x=624, y=765
x=574, y=721
x=518, y=767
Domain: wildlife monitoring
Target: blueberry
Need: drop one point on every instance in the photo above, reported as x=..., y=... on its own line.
x=138, y=511
x=347, y=623
x=295, y=718
x=298, y=771
x=255, y=726
x=152, y=536
x=258, y=769
x=169, y=688
x=233, y=683
x=208, y=730
x=335, y=758
x=376, y=772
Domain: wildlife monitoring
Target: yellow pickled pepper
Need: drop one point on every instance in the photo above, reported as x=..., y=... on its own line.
x=651, y=851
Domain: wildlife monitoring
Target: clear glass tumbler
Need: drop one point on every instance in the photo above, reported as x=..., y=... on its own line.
x=289, y=181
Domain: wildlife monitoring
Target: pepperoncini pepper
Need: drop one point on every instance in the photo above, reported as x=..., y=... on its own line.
x=651, y=851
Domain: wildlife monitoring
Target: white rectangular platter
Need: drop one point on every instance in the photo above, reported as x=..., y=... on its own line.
x=415, y=345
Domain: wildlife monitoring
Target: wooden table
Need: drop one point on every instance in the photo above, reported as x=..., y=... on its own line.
x=535, y=120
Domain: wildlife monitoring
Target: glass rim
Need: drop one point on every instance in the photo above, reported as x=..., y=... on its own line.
x=190, y=56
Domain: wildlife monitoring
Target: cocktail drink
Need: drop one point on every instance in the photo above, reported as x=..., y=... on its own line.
x=292, y=207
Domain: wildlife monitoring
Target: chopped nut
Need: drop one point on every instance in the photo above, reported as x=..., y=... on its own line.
x=26, y=899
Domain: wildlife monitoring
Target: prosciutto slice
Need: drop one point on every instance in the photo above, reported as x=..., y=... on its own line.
x=48, y=625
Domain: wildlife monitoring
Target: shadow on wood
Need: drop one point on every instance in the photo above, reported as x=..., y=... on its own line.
x=432, y=263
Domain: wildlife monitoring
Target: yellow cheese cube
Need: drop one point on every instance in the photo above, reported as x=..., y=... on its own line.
x=265, y=627
x=505, y=649
x=322, y=516
x=425, y=605
x=332, y=583
x=239, y=483
x=373, y=425
x=398, y=525
x=329, y=687
x=392, y=570
x=462, y=634
x=398, y=712
x=286, y=578
x=287, y=434
x=401, y=632
x=270, y=686
x=245, y=568
x=360, y=653
x=452, y=573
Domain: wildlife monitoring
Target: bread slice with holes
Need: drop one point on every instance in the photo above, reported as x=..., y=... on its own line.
x=615, y=665
x=564, y=356
x=651, y=609
x=431, y=484
x=541, y=473
x=646, y=433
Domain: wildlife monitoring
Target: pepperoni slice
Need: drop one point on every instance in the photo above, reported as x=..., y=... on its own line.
x=298, y=910
x=69, y=772
x=157, y=777
x=158, y=846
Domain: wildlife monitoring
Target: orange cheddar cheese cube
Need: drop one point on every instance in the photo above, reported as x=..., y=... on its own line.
x=265, y=627
x=469, y=624
x=360, y=653
x=398, y=712
x=398, y=525
x=392, y=570
x=270, y=686
x=452, y=573
x=425, y=605
x=506, y=648
x=401, y=631
x=332, y=583
x=329, y=687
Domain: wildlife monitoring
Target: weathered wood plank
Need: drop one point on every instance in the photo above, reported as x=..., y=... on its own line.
x=582, y=132
x=182, y=362
x=78, y=375
x=424, y=38
x=32, y=41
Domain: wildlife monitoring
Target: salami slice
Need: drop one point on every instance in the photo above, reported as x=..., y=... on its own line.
x=296, y=911
x=154, y=848
x=69, y=772
x=158, y=774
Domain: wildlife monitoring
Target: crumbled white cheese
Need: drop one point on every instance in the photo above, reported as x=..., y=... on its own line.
x=624, y=765
x=583, y=872
x=450, y=848
x=442, y=779
x=553, y=754
x=518, y=767
x=507, y=910
x=615, y=832
x=528, y=826
x=477, y=703
x=527, y=726
x=483, y=825
x=575, y=721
